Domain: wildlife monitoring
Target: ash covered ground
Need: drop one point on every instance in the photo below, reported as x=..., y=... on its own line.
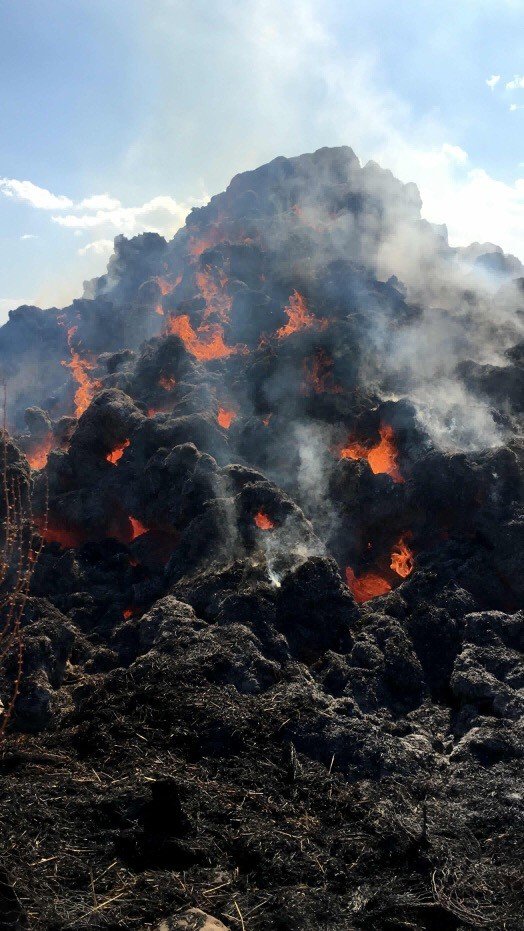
x=273, y=644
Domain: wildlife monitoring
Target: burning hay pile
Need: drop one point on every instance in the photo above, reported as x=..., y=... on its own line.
x=273, y=642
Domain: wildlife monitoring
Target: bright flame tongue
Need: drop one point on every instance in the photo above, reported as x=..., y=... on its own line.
x=382, y=458
x=218, y=301
x=371, y=584
x=79, y=370
x=117, y=453
x=225, y=418
x=263, y=522
x=299, y=317
x=402, y=559
x=367, y=586
x=204, y=344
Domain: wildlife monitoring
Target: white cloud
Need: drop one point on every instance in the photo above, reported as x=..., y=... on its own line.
x=100, y=202
x=98, y=247
x=29, y=236
x=30, y=193
x=162, y=214
x=493, y=81
x=455, y=153
x=513, y=107
x=516, y=83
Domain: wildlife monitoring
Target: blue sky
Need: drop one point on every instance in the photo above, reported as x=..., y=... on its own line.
x=149, y=106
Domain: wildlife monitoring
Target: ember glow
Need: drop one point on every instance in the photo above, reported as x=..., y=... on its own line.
x=318, y=374
x=299, y=317
x=205, y=343
x=382, y=458
x=116, y=454
x=167, y=382
x=225, y=418
x=402, y=561
x=53, y=532
x=137, y=529
x=80, y=369
x=367, y=586
x=37, y=458
x=263, y=522
x=213, y=290
x=167, y=286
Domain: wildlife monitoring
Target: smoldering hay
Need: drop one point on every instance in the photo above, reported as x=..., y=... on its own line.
x=276, y=323
x=301, y=420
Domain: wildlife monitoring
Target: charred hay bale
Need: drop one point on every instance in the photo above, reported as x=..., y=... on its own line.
x=166, y=358
x=211, y=538
x=38, y=422
x=491, y=679
x=252, y=314
x=108, y=422
x=315, y=610
x=493, y=627
x=175, y=486
x=170, y=626
x=36, y=704
x=48, y=641
x=432, y=613
x=384, y=670
x=490, y=742
x=165, y=433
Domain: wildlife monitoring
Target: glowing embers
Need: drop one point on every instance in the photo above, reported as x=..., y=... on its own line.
x=116, y=454
x=367, y=586
x=318, y=374
x=64, y=534
x=299, y=317
x=382, y=458
x=263, y=521
x=226, y=417
x=372, y=584
x=206, y=342
x=37, y=458
x=166, y=287
x=167, y=382
x=80, y=369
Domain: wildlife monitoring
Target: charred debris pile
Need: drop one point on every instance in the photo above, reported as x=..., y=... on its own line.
x=273, y=640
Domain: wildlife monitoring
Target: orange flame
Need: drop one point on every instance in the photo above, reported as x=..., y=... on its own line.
x=167, y=382
x=196, y=247
x=218, y=301
x=167, y=286
x=137, y=529
x=37, y=458
x=367, y=586
x=299, y=317
x=402, y=561
x=318, y=374
x=117, y=453
x=205, y=343
x=263, y=522
x=382, y=458
x=225, y=418
x=79, y=369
